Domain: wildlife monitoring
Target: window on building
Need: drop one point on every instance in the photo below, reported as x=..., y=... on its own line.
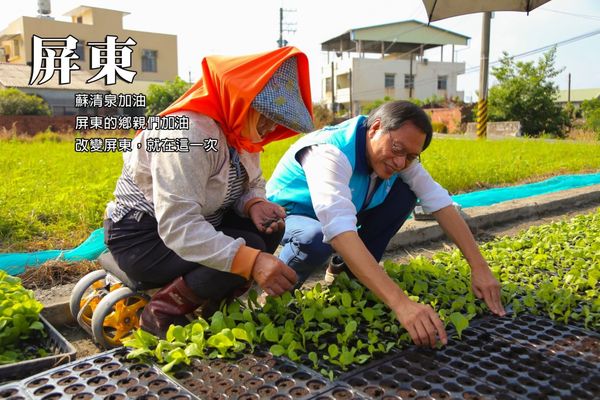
x=80, y=20
x=409, y=81
x=80, y=50
x=390, y=81
x=443, y=82
x=328, y=84
x=149, y=60
x=16, y=48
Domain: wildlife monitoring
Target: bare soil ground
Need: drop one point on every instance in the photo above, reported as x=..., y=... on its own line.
x=85, y=347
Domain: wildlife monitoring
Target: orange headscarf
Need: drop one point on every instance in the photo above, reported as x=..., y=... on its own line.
x=228, y=86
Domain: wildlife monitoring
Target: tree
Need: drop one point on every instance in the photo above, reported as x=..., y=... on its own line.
x=160, y=97
x=15, y=102
x=526, y=93
x=371, y=106
x=590, y=109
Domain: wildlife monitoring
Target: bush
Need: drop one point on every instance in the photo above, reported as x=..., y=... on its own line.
x=322, y=116
x=439, y=127
x=53, y=137
x=15, y=102
x=370, y=107
x=160, y=97
x=590, y=110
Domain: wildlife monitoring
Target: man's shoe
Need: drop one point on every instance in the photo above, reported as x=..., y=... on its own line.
x=336, y=266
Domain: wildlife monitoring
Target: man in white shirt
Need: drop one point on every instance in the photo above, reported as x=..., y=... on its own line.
x=349, y=188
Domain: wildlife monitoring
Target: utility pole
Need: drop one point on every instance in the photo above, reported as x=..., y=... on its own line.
x=482, y=112
x=333, y=107
x=569, y=90
x=288, y=27
x=351, y=100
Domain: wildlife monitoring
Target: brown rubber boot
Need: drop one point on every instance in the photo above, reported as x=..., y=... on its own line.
x=211, y=306
x=169, y=306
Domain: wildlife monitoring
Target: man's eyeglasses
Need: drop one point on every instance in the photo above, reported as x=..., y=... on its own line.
x=399, y=151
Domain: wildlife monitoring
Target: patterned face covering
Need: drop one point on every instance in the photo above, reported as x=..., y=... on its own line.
x=275, y=83
x=280, y=99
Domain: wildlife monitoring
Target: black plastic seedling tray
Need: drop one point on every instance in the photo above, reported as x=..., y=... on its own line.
x=497, y=358
x=412, y=375
x=572, y=345
x=483, y=365
x=61, y=352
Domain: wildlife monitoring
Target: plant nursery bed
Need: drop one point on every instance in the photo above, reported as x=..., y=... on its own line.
x=491, y=361
x=59, y=351
x=502, y=358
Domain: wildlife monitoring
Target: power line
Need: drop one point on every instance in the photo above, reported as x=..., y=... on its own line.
x=591, y=17
x=543, y=48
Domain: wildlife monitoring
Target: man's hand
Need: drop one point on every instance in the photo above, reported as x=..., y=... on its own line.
x=422, y=323
x=272, y=275
x=267, y=217
x=486, y=287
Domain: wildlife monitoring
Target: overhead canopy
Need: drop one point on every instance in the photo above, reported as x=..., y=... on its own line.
x=397, y=37
x=440, y=9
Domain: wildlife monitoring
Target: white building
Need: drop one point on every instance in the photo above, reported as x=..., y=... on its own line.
x=368, y=64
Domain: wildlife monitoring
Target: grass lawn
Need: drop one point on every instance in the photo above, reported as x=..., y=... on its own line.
x=52, y=197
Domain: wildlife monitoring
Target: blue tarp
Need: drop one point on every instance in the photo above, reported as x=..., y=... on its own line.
x=15, y=263
x=498, y=195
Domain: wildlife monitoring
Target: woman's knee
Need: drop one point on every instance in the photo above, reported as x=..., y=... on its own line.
x=255, y=241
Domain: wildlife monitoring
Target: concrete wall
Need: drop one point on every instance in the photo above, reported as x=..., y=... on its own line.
x=500, y=129
x=448, y=116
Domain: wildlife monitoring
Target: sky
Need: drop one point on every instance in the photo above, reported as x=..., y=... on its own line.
x=234, y=27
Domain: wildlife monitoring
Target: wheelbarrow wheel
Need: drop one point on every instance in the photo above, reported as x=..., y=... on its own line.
x=117, y=315
x=86, y=295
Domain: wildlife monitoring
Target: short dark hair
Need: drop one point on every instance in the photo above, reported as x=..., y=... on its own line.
x=395, y=113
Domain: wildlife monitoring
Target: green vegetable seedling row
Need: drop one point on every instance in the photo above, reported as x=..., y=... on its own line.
x=552, y=270
x=19, y=321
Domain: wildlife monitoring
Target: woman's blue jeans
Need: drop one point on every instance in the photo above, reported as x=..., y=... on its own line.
x=303, y=247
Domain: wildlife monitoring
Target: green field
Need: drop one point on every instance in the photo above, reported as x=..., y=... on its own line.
x=52, y=197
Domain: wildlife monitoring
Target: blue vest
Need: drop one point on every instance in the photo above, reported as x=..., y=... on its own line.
x=288, y=188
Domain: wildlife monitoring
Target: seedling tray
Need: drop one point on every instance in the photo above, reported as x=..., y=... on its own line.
x=340, y=392
x=109, y=376
x=13, y=392
x=497, y=358
x=413, y=375
x=572, y=345
x=479, y=366
x=255, y=376
x=61, y=352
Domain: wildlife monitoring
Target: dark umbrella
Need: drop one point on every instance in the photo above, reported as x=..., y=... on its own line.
x=440, y=9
